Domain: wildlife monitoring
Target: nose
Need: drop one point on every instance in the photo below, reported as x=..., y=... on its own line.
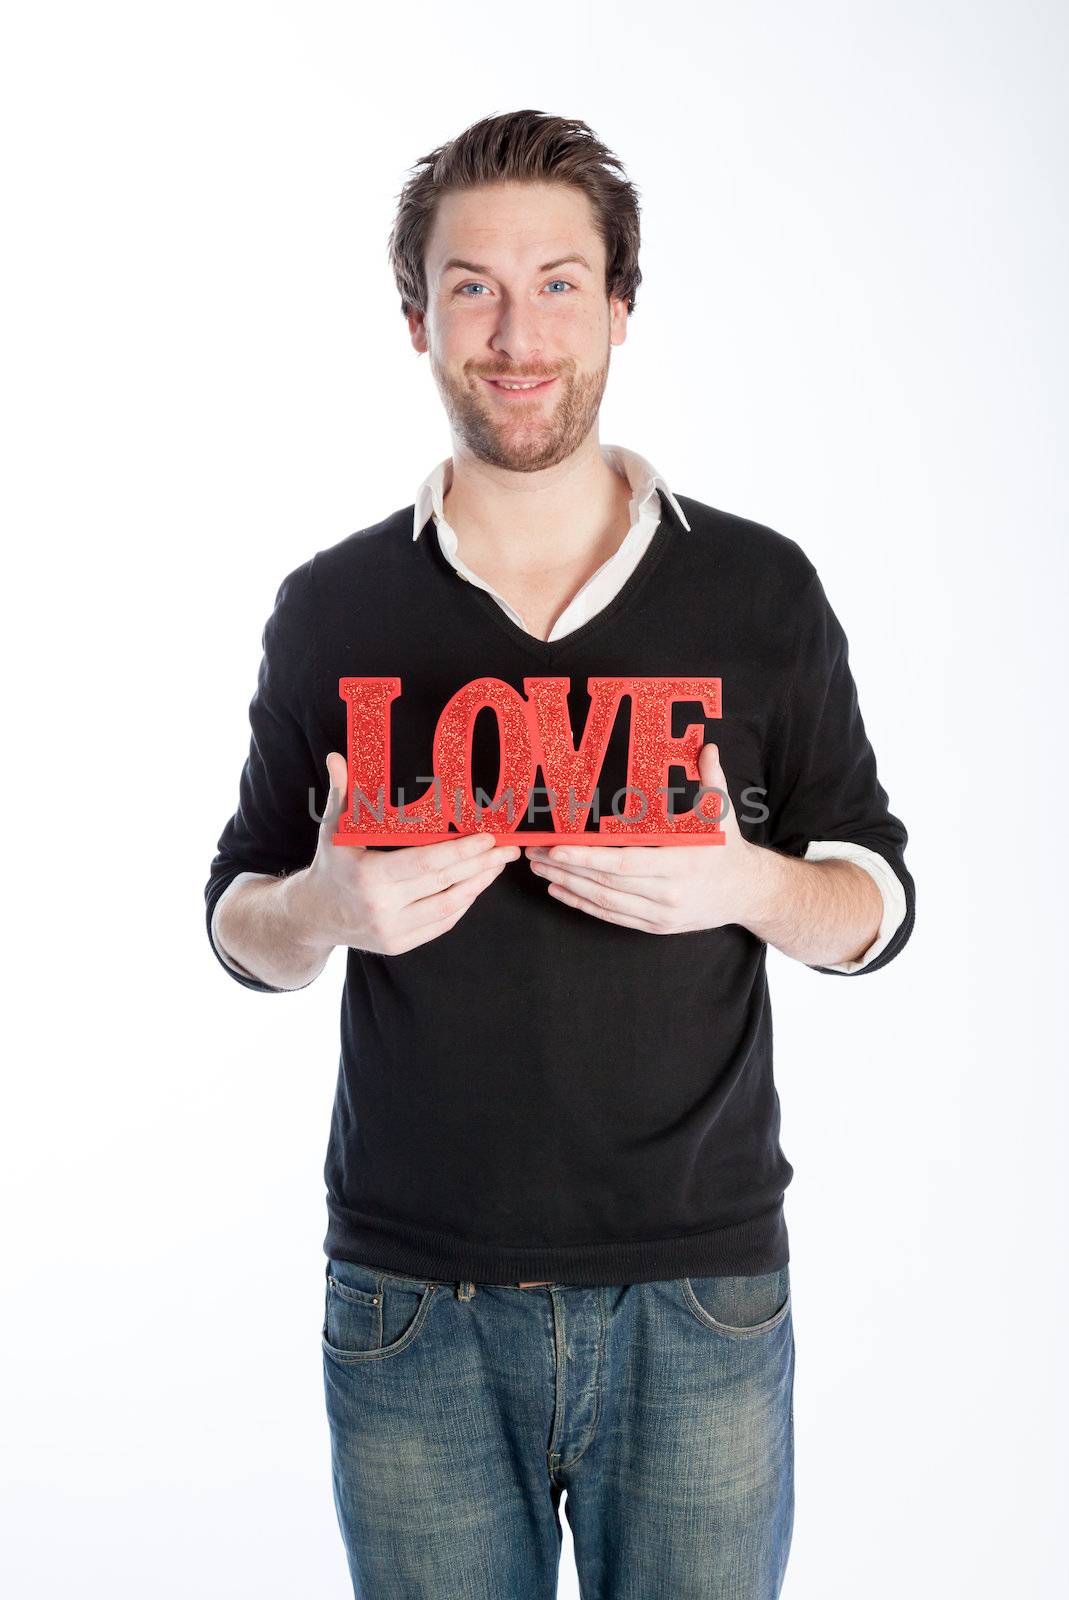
x=517, y=335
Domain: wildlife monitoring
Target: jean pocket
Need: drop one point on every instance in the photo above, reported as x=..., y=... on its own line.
x=369, y=1315
x=740, y=1307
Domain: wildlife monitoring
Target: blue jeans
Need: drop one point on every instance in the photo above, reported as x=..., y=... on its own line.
x=459, y=1412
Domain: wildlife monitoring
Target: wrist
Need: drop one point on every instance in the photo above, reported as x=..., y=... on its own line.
x=762, y=888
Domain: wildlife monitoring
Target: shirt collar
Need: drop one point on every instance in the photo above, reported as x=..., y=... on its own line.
x=642, y=477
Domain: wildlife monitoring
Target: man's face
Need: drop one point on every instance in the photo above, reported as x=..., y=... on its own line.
x=518, y=306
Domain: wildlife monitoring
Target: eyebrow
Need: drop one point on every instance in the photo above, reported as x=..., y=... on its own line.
x=547, y=266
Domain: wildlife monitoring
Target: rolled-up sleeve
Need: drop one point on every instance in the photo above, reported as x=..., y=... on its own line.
x=273, y=830
x=825, y=797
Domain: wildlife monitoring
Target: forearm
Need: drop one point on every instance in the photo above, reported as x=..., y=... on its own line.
x=819, y=912
x=264, y=924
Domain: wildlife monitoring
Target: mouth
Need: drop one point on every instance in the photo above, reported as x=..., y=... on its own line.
x=525, y=392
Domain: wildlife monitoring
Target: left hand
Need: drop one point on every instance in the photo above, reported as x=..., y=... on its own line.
x=674, y=889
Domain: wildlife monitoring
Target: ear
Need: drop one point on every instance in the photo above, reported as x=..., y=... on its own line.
x=417, y=329
x=618, y=320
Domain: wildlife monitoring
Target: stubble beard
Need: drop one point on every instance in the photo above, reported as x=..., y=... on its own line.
x=538, y=436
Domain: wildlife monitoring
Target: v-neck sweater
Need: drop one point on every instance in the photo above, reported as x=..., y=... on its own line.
x=541, y=1094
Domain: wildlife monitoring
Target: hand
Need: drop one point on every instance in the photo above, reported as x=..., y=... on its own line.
x=670, y=889
x=389, y=901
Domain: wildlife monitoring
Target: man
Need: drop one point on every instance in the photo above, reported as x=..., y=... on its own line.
x=559, y=1061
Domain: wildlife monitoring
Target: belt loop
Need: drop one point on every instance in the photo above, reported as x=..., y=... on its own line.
x=465, y=1291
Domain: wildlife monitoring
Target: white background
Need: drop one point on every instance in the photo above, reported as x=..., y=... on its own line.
x=851, y=327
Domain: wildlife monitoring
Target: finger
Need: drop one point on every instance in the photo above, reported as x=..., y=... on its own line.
x=338, y=784
x=627, y=918
x=623, y=861
x=430, y=910
x=438, y=925
x=434, y=882
x=628, y=902
x=651, y=890
x=417, y=860
x=712, y=776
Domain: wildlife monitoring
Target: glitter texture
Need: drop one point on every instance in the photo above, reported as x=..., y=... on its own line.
x=533, y=732
x=652, y=750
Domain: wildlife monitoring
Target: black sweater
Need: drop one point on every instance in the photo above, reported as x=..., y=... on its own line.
x=539, y=1093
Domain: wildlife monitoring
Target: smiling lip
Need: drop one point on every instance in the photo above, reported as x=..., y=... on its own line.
x=515, y=394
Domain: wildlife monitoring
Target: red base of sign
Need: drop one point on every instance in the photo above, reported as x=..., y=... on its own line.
x=535, y=836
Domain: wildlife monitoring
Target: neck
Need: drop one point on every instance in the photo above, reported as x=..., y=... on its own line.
x=530, y=524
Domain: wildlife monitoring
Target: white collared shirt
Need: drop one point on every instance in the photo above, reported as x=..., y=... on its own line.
x=611, y=575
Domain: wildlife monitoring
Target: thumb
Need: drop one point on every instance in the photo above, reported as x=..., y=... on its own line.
x=712, y=776
x=338, y=775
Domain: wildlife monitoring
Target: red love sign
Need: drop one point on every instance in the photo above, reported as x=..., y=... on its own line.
x=533, y=732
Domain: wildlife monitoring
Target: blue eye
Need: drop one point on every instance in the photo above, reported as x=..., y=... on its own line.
x=465, y=286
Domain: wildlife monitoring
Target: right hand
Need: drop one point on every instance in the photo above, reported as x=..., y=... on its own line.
x=388, y=902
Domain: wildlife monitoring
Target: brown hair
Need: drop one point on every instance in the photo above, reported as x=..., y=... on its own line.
x=521, y=147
